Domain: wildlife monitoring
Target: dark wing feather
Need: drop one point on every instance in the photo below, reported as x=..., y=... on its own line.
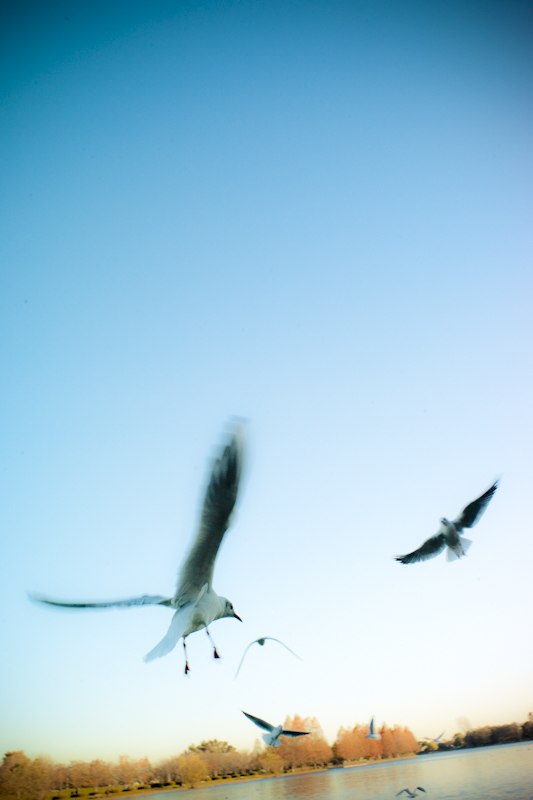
x=473, y=512
x=219, y=503
x=145, y=600
x=260, y=722
x=295, y=733
x=431, y=548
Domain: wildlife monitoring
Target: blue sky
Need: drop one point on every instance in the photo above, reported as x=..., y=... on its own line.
x=315, y=216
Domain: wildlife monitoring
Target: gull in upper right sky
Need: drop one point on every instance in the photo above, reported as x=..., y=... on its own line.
x=261, y=641
x=449, y=534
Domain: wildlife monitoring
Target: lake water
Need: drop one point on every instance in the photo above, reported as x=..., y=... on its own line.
x=504, y=772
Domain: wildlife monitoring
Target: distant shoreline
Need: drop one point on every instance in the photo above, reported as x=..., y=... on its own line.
x=246, y=778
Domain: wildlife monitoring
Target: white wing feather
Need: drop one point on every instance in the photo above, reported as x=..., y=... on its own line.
x=178, y=625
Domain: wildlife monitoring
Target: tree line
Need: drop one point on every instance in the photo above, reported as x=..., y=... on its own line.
x=22, y=778
x=493, y=734
x=352, y=744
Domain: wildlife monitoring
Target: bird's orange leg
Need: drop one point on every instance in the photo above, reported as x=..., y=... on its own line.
x=215, y=654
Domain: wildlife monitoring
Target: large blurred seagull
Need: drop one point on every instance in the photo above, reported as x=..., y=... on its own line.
x=195, y=601
x=272, y=737
x=449, y=534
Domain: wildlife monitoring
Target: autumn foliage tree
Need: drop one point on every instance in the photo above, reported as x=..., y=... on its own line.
x=352, y=744
x=312, y=750
x=15, y=775
x=192, y=769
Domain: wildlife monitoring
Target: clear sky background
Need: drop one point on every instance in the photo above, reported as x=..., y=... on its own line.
x=314, y=215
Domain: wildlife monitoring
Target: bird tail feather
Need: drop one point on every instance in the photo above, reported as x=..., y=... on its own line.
x=173, y=635
x=271, y=740
x=452, y=554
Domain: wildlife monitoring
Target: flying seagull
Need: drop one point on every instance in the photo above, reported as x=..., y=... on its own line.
x=272, y=737
x=372, y=734
x=411, y=794
x=449, y=532
x=195, y=602
x=261, y=642
x=437, y=740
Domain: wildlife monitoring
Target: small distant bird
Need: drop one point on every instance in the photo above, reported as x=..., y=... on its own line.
x=195, y=601
x=411, y=794
x=437, y=740
x=272, y=737
x=448, y=535
x=373, y=734
x=261, y=641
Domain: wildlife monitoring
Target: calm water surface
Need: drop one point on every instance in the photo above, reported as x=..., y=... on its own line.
x=504, y=772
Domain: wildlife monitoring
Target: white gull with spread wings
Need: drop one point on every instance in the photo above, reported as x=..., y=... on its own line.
x=273, y=734
x=449, y=534
x=195, y=601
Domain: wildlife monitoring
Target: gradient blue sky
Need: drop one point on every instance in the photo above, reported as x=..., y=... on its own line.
x=316, y=216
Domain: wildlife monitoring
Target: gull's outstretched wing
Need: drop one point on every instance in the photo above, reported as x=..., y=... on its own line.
x=431, y=548
x=145, y=600
x=260, y=722
x=421, y=788
x=261, y=641
x=281, y=643
x=295, y=733
x=431, y=739
x=219, y=503
x=473, y=512
x=242, y=659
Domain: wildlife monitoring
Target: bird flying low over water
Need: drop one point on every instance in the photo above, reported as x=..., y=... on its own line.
x=261, y=641
x=372, y=733
x=437, y=740
x=411, y=794
x=195, y=602
x=272, y=737
x=449, y=534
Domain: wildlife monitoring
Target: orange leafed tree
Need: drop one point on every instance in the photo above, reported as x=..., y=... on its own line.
x=353, y=745
x=388, y=748
x=192, y=768
x=300, y=751
x=129, y=771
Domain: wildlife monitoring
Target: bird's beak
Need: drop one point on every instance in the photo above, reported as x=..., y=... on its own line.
x=237, y=616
